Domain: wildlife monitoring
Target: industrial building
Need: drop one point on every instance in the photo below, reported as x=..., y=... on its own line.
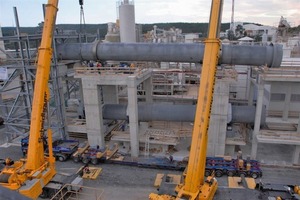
x=248, y=101
x=142, y=95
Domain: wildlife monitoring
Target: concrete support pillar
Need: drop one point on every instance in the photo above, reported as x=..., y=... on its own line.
x=4, y=138
x=110, y=94
x=93, y=111
x=81, y=108
x=298, y=127
x=297, y=150
x=182, y=78
x=296, y=155
x=230, y=150
x=250, y=93
x=62, y=106
x=148, y=90
x=248, y=83
x=218, y=119
x=132, y=110
x=287, y=101
x=81, y=91
x=259, y=106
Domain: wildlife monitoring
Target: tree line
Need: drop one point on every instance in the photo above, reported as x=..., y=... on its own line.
x=102, y=28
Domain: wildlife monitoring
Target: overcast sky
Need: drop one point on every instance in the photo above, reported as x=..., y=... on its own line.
x=267, y=12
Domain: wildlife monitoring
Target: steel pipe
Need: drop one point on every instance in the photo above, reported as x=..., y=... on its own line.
x=153, y=52
x=182, y=113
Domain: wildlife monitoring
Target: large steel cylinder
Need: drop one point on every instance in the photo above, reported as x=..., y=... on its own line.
x=182, y=113
x=153, y=52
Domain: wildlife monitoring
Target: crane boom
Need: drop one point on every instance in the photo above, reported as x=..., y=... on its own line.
x=196, y=164
x=194, y=186
x=40, y=99
x=194, y=181
x=30, y=176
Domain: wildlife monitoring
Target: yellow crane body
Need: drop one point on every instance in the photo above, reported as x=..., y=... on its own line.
x=31, y=175
x=194, y=185
x=297, y=189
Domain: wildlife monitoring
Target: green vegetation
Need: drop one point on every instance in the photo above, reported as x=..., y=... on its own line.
x=9, y=31
x=102, y=28
x=294, y=30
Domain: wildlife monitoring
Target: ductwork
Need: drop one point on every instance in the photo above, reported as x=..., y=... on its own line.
x=153, y=52
x=182, y=113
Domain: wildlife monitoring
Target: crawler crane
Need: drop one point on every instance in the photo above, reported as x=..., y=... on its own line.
x=194, y=186
x=31, y=175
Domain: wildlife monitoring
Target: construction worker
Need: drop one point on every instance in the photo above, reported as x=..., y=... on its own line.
x=91, y=64
x=123, y=127
x=86, y=170
x=98, y=65
x=9, y=161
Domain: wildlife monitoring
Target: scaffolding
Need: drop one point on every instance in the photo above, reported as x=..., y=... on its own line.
x=16, y=90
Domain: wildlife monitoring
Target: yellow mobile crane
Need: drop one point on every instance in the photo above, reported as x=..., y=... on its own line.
x=194, y=186
x=31, y=175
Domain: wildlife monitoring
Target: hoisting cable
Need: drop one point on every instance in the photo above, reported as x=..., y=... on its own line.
x=82, y=19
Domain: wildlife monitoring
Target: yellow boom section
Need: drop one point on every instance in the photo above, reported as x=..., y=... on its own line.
x=194, y=186
x=36, y=148
x=29, y=179
x=196, y=165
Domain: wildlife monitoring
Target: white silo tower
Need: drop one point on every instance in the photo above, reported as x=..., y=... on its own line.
x=127, y=21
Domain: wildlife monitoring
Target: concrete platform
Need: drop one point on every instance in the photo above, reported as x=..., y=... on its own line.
x=279, y=137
